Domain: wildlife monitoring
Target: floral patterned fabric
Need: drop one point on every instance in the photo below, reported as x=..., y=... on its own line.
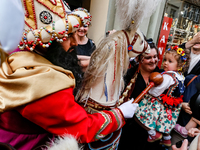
x=157, y=112
x=155, y=115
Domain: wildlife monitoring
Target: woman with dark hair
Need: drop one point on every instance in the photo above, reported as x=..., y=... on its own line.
x=147, y=63
x=132, y=131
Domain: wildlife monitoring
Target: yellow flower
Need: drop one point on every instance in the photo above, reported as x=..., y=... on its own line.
x=179, y=51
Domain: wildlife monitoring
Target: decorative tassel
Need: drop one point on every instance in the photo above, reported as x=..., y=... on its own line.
x=106, y=90
x=113, y=82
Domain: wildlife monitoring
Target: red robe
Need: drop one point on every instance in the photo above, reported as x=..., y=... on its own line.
x=58, y=113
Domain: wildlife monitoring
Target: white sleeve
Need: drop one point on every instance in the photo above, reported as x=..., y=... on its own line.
x=158, y=90
x=12, y=24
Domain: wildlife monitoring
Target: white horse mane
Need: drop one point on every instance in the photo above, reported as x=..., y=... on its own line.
x=100, y=59
x=103, y=79
x=134, y=10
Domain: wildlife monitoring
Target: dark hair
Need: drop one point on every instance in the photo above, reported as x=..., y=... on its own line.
x=68, y=60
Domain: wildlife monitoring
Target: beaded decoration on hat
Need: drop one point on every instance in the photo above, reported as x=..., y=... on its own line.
x=47, y=20
x=84, y=14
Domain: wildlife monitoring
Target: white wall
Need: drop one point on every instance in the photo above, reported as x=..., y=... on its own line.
x=99, y=11
x=155, y=22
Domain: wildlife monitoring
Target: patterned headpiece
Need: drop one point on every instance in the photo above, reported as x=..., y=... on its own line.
x=47, y=20
x=179, y=51
x=84, y=14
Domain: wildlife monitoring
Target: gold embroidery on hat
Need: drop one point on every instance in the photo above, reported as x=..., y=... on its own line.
x=56, y=6
x=79, y=20
x=70, y=26
x=30, y=19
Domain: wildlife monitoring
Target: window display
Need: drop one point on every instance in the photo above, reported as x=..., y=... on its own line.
x=186, y=20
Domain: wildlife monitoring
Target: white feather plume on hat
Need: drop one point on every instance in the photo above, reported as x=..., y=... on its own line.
x=132, y=12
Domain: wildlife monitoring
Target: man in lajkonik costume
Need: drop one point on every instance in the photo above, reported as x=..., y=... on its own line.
x=36, y=96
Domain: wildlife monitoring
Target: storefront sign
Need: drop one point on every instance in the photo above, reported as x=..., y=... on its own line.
x=164, y=33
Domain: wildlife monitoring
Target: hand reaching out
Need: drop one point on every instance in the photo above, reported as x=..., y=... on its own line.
x=186, y=108
x=128, y=108
x=84, y=61
x=193, y=132
x=195, y=40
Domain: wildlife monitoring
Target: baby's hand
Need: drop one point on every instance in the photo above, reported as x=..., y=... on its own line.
x=193, y=132
x=186, y=108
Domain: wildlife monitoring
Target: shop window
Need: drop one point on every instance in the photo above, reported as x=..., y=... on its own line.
x=197, y=15
x=186, y=23
x=172, y=13
x=185, y=10
x=191, y=13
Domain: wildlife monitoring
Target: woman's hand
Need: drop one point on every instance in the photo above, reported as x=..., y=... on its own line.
x=84, y=60
x=183, y=147
x=193, y=132
x=186, y=108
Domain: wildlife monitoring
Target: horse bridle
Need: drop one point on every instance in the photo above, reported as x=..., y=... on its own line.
x=130, y=46
x=129, y=88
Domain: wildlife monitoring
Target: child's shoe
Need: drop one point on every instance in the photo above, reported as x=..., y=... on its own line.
x=166, y=142
x=154, y=138
x=181, y=130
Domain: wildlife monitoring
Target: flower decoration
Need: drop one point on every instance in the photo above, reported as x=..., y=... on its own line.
x=175, y=47
x=183, y=53
x=183, y=58
x=179, y=51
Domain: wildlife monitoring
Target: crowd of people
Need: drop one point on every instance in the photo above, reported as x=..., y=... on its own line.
x=41, y=77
